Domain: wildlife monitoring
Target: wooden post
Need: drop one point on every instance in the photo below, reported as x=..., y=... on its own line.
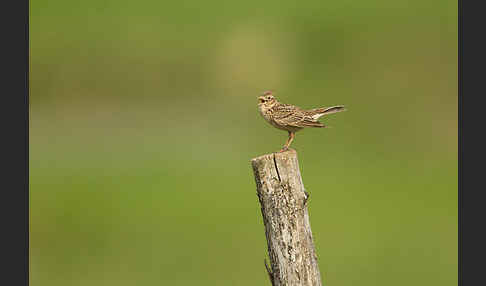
x=283, y=201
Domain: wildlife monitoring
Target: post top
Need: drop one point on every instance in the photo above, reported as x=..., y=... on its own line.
x=288, y=153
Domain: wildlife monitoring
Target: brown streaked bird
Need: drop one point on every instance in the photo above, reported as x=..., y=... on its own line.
x=291, y=118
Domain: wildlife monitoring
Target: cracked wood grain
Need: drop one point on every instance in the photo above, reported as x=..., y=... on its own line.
x=283, y=200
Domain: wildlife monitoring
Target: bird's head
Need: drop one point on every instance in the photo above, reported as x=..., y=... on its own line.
x=266, y=98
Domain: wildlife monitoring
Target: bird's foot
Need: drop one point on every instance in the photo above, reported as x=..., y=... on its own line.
x=283, y=149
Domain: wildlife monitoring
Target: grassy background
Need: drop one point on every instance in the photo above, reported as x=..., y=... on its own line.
x=144, y=119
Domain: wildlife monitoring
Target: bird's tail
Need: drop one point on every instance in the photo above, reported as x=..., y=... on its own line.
x=319, y=112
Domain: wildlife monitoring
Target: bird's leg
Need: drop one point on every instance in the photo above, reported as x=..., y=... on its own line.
x=289, y=140
x=286, y=146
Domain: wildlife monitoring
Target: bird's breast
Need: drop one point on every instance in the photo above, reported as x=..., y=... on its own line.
x=268, y=113
x=264, y=112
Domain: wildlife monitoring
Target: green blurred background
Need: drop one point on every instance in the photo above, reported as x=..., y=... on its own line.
x=144, y=121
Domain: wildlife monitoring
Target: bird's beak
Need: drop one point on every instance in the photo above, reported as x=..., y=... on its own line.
x=260, y=99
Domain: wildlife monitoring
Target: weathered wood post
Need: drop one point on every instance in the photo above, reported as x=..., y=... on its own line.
x=283, y=201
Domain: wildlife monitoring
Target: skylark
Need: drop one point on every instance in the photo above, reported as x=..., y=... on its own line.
x=291, y=118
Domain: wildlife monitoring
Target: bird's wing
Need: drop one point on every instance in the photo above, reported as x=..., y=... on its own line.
x=289, y=115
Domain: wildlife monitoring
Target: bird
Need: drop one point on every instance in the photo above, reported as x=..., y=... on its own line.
x=290, y=117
